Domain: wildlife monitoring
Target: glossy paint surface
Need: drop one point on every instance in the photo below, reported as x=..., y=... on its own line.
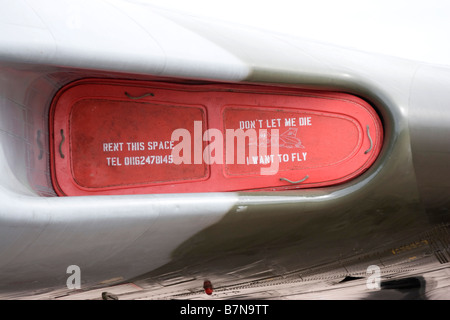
x=272, y=245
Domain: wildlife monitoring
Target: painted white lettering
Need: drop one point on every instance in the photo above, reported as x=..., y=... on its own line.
x=273, y=123
x=135, y=146
x=247, y=124
x=289, y=122
x=113, y=161
x=160, y=145
x=112, y=146
x=304, y=121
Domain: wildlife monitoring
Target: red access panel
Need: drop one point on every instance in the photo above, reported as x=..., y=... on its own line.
x=116, y=137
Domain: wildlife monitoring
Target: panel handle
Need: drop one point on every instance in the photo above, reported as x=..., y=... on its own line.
x=139, y=97
x=61, y=143
x=295, y=182
x=370, y=139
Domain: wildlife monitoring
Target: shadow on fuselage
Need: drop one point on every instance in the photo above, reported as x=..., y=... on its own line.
x=412, y=288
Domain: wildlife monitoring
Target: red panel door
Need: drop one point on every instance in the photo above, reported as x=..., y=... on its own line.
x=127, y=137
